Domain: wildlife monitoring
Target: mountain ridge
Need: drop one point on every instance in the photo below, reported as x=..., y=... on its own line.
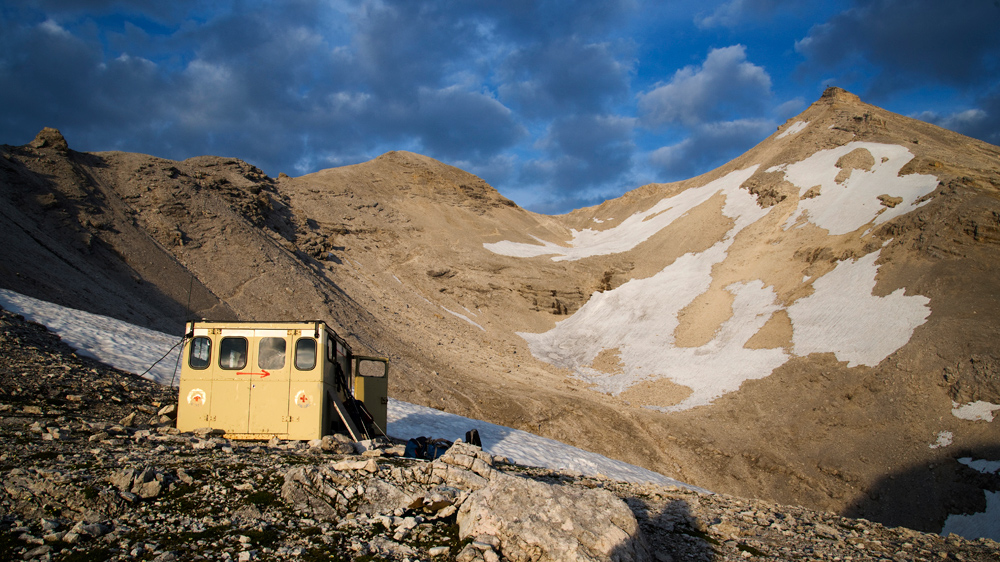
x=396, y=251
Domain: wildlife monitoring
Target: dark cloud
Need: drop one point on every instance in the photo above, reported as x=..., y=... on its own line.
x=564, y=76
x=403, y=46
x=298, y=85
x=724, y=86
x=583, y=152
x=982, y=122
x=887, y=50
x=463, y=124
x=537, y=96
x=708, y=146
x=265, y=85
x=163, y=13
x=53, y=78
x=907, y=42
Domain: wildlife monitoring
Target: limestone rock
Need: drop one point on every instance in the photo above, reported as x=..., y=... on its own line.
x=536, y=521
x=312, y=489
x=337, y=443
x=382, y=497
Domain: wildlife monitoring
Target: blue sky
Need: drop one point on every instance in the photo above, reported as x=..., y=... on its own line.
x=558, y=104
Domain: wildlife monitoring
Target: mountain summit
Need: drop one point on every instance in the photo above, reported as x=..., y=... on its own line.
x=813, y=323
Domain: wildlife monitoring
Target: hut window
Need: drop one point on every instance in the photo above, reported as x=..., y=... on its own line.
x=305, y=354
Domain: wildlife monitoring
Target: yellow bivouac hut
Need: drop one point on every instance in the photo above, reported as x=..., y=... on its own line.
x=291, y=380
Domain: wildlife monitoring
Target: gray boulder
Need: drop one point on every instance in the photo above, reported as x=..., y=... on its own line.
x=535, y=521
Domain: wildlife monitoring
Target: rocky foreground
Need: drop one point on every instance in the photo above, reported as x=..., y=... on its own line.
x=93, y=469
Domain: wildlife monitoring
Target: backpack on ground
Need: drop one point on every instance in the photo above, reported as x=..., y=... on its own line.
x=472, y=438
x=426, y=448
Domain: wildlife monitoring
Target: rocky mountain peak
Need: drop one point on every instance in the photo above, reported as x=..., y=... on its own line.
x=50, y=138
x=795, y=326
x=398, y=177
x=835, y=94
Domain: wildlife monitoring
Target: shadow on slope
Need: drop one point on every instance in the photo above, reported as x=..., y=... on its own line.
x=669, y=531
x=923, y=496
x=67, y=243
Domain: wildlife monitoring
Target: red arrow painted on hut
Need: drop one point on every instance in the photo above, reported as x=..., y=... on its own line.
x=262, y=373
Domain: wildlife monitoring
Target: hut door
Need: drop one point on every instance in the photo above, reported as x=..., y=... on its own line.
x=230, y=395
x=269, y=382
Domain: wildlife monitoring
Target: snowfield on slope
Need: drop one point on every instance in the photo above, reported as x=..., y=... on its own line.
x=841, y=315
x=134, y=349
x=845, y=207
x=640, y=226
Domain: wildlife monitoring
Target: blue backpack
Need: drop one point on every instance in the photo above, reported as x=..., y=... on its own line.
x=426, y=448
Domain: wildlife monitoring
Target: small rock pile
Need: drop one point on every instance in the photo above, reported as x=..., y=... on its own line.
x=116, y=481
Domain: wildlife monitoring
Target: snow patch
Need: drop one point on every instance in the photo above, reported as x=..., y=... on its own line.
x=974, y=411
x=845, y=207
x=120, y=344
x=842, y=316
x=639, y=319
x=985, y=524
x=640, y=316
x=944, y=439
x=464, y=317
x=410, y=420
x=982, y=465
x=794, y=128
x=637, y=228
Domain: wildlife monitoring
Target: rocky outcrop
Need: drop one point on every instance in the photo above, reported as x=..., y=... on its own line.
x=522, y=518
x=78, y=484
x=50, y=138
x=533, y=520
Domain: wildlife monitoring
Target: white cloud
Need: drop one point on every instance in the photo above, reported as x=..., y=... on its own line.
x=670, y=157
x=51, y=27
x=790, y=108
x=210, y=88
x=725, y=84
